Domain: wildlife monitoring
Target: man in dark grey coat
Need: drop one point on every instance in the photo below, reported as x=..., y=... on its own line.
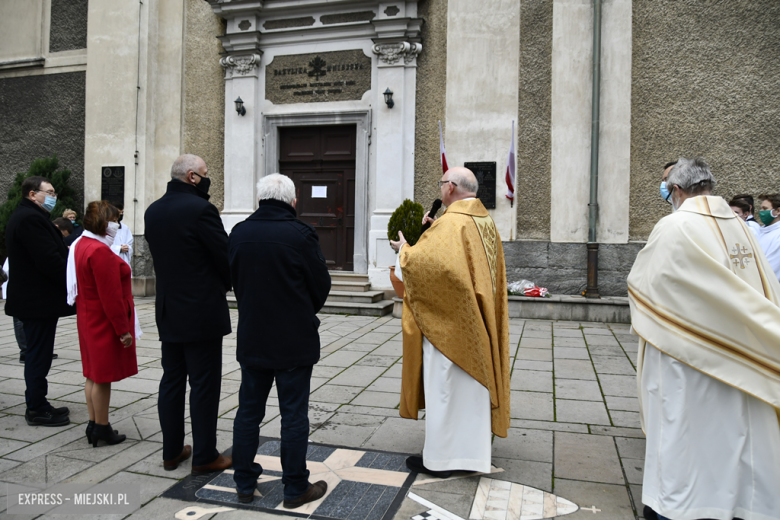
x=281, y=282
x=189, y=248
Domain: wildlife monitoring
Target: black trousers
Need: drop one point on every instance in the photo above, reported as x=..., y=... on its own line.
x=37, y=362
x=202, y=362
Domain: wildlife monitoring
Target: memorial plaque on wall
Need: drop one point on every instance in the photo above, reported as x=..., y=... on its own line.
x=317, y=77
x=112, y=186
x=485, y=173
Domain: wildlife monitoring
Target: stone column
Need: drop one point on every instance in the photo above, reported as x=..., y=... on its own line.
x=241, y=137
x=394, y=145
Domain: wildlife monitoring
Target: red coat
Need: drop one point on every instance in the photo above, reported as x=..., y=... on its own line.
x=105, y=311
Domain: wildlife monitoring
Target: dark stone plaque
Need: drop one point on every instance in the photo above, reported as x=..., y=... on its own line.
x=113, y=183
x=317, y=77
x=486, y=177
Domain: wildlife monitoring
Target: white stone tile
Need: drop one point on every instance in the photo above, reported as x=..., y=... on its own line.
x=480, y=499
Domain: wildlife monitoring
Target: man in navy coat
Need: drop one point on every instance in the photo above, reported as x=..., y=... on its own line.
x=189, y=248
x=281, y=282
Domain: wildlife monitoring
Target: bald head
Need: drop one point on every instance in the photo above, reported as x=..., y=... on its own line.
x=457, y=184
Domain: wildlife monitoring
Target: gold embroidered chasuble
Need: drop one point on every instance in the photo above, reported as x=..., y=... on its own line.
x=702, y=292
x=456, y=296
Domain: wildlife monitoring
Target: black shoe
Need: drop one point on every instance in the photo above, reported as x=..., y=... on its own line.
x=46, y=418
x=90, y=429
x=104, y=432
x=415, y=464
x=315, y=492
x=649, y=514
x=62, y=410
x=245, y=498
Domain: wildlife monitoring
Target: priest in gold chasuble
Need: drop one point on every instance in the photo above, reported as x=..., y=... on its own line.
x=456, y=332
x=706, y=307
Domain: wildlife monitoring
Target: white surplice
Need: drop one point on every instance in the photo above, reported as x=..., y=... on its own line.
x=769, y=238
x=457, y=413
x=713, y=451
x=123, y=237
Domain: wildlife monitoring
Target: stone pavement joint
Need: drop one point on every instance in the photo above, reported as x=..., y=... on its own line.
x=574, y=429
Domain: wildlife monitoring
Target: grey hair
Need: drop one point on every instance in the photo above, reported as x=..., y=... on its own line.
x=183, y=164
x=693, y=176
x=464, y=182
x=277, y=187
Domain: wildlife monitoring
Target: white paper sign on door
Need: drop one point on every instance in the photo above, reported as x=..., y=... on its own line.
x=319, y=192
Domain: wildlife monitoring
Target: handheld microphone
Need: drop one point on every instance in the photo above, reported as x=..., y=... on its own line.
x=434, y=208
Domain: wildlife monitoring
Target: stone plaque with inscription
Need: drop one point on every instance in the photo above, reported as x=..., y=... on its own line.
x=485, y=172
x=317, y=77
x=112, y=186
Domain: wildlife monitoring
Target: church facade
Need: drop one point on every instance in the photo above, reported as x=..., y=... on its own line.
x=346, y=98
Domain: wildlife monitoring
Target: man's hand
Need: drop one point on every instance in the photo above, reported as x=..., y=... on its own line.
x=125, y=248
x=427, y=219
x=396, y=245
x=126, y=339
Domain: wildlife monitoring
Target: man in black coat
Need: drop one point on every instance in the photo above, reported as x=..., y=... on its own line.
x=189, y=248
x=37, y=292
x=281, y=281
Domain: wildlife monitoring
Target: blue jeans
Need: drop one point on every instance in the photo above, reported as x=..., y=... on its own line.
x=292, y=386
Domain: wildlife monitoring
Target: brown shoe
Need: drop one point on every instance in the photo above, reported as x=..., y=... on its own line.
x=315, y=492
x=221, y=462
x=170, y=465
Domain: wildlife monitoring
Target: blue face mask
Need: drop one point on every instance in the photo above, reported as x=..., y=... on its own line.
x=665, y=194
x=49, y=203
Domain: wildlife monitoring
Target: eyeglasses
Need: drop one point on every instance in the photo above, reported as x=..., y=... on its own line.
x=48, y=192
x=442, y=183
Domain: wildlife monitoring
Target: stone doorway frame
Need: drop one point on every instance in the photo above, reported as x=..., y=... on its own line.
x=360, y=118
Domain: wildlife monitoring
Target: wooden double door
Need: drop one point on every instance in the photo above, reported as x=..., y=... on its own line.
x=321, y=162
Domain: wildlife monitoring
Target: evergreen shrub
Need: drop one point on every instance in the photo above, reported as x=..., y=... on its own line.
x=407, y=218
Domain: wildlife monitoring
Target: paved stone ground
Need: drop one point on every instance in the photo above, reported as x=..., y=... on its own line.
x=575, y=425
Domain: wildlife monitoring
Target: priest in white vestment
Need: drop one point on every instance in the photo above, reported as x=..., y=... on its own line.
x=705, y=305
x=456, y=332
x=769, y=235
x=123, y=241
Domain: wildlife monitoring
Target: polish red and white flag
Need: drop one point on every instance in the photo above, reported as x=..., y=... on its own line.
x=444, y=166
x=510, y=168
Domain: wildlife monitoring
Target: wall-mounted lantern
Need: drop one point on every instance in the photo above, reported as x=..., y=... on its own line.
x=240, y=106
x=389, y=98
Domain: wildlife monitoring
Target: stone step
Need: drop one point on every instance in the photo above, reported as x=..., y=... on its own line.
x=356, y=297
x=341, y=276
x=350, y=286
x=380, y=308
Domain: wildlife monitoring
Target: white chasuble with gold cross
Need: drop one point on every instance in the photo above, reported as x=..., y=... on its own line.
x=705, y=305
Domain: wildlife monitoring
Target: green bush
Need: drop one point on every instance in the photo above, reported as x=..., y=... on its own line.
x=45, y=167
x=407, y=218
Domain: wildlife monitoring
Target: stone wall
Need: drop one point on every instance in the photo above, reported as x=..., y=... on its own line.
x=706, y=81
x=68, y=25
x=41, y=116
x=563, y=267
x=431, y=96
x=203, y=125
x=533, y=120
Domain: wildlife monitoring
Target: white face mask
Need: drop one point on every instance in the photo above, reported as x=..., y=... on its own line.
x=111, y=231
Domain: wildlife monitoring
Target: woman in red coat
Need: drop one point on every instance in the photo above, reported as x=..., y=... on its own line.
x=105, y=316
